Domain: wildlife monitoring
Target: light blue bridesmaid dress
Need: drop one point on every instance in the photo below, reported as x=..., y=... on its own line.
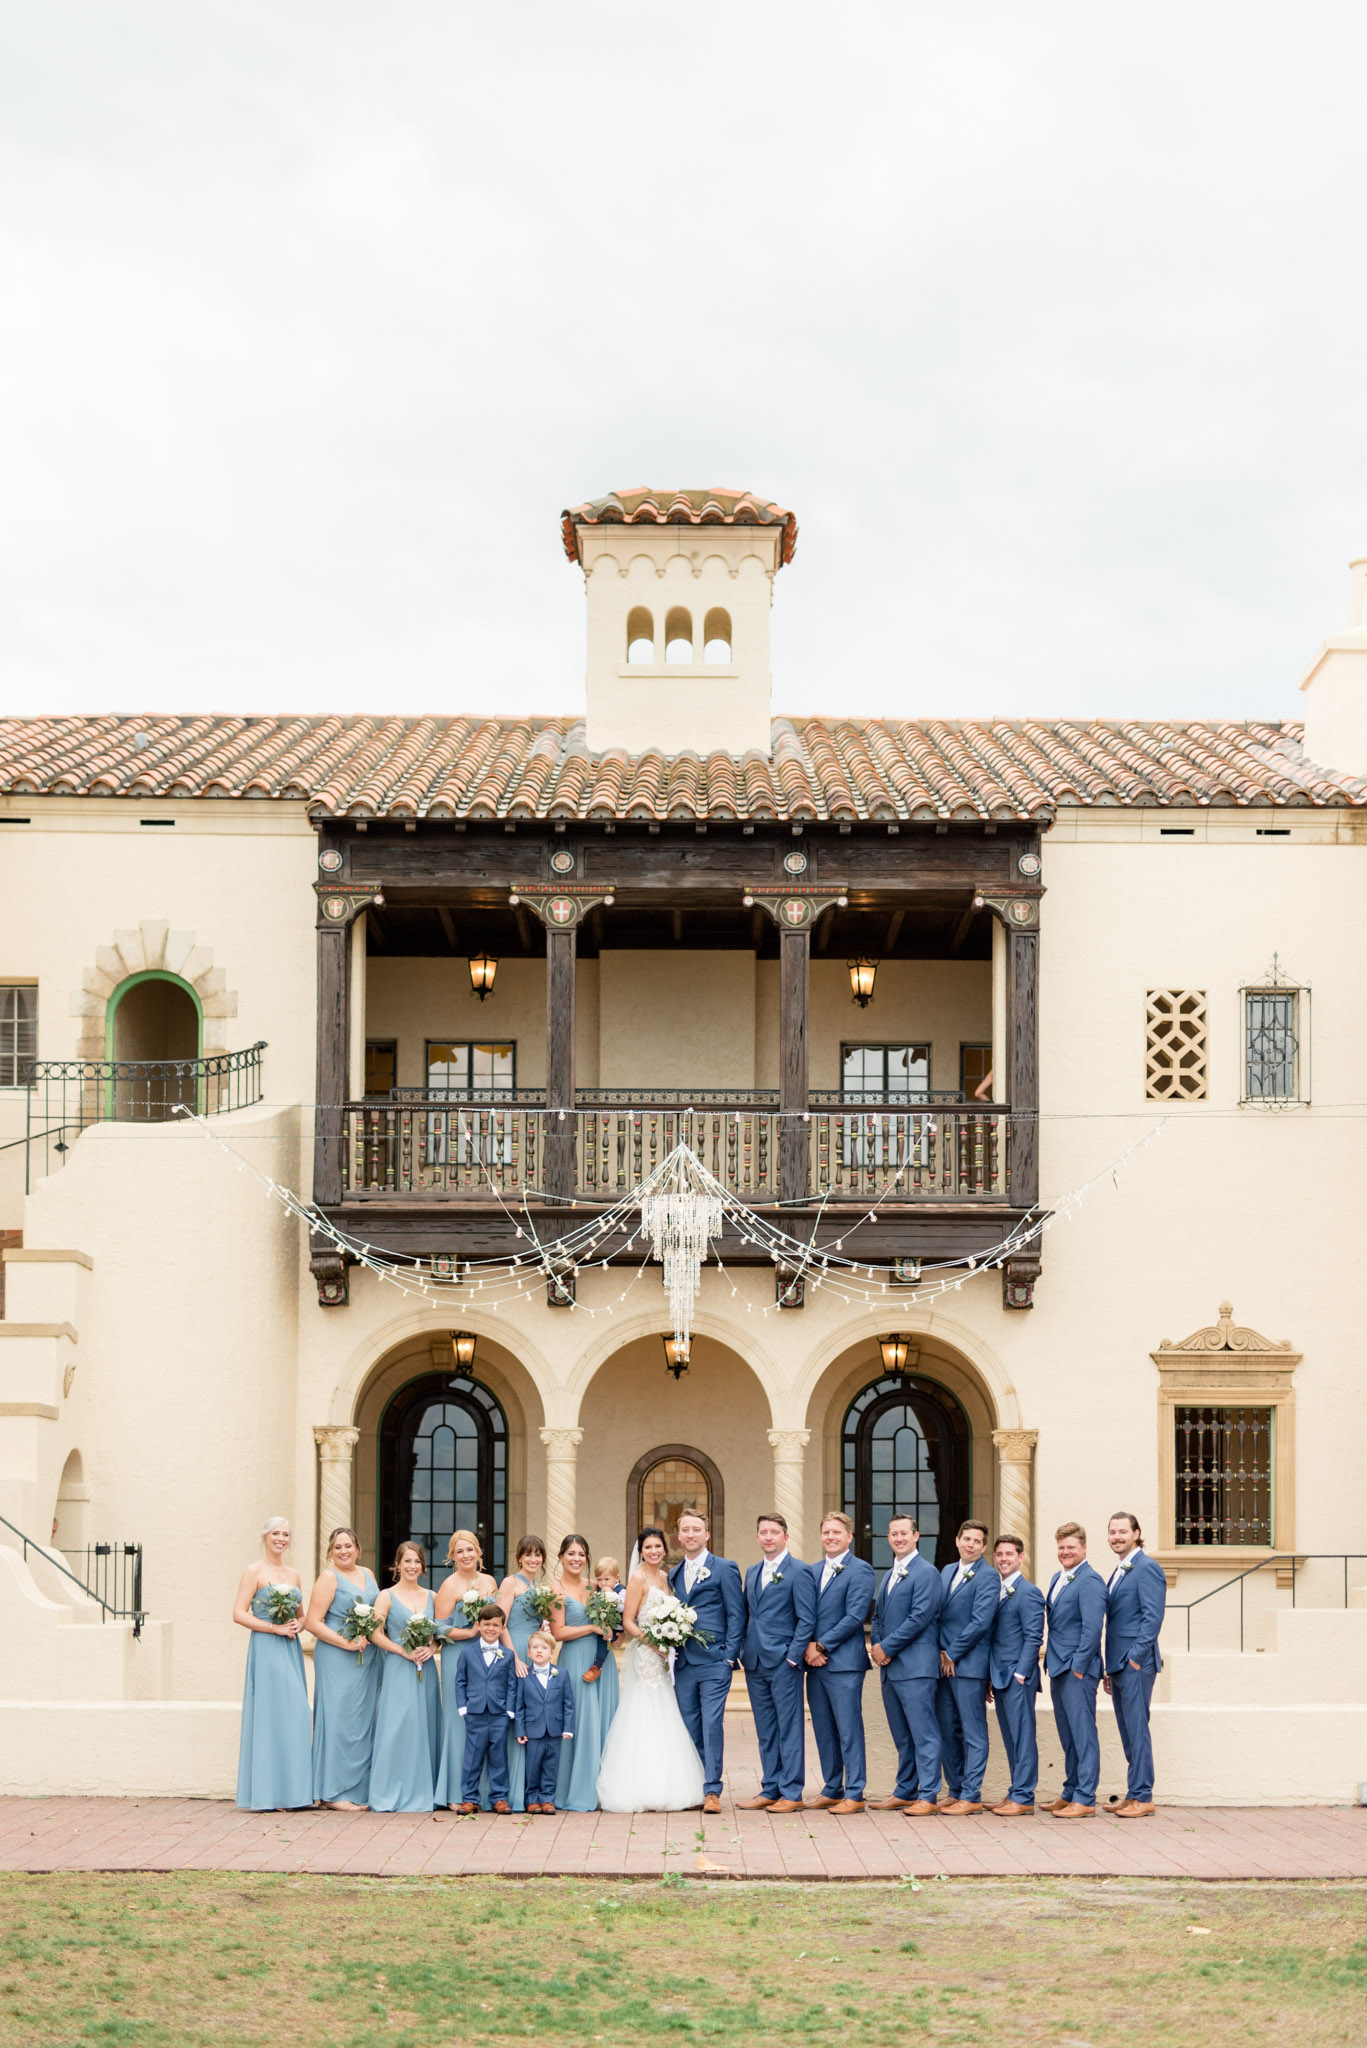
x=576, y=1788
x=403, y=1763
x=346, y=1689
x=274, y=1765
x=522, y=1626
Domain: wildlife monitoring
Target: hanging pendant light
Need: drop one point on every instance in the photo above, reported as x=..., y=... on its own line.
x=895, y=1352
x=463, y=1345
x=677, y=1350
x=863, y=973
x=483, y=968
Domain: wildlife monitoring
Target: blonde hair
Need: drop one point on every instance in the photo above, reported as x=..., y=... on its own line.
x=464, y=1536
x=600, y=1570
x=275, y=1522
x=1066, y=1529
x=834, y=1515
x=541, y=1635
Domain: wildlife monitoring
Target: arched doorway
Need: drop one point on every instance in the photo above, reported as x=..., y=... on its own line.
x=153, y=1032
x=905, y=1449
x=443, y=1465
x=666, y=1482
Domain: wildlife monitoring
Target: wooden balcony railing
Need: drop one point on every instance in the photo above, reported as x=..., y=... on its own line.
x=437, y=1146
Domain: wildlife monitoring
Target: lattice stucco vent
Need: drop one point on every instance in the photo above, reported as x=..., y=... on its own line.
x=1175, y=1045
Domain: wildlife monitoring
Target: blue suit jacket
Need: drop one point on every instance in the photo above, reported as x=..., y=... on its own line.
x=1075, y=1620
x=545, y=1711
x=966, y=1617
x=482, y=1689
x=1017, y=1637
x=841, y=1612
x=1135, y=1606
x=779, y=1624
x=719, y=1601
x=906, y=1621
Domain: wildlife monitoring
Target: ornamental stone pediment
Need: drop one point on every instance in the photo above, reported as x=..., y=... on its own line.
x=1239, y=1358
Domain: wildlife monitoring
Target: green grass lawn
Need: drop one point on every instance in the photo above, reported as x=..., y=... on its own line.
x=271, y=1961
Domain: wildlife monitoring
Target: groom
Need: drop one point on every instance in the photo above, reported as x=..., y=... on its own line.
x=702, y=1673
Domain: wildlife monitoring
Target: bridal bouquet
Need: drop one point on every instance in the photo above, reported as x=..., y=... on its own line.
x=419, y=1635
x=604, y=1610
x=470, y=1605
x=543, y=1603
x=283, y=1603
x=360, y=1625
x=666, y=1624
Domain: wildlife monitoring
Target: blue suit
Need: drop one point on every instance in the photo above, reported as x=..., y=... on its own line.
x=778, y=1629
x=702, y=1672
x=966, y=1619
x=835, y=1689
x=906, y=1625
x=545, y=1715
x=486, y=1695
x=1073, y=1660
x=1013, y=1667
x=1136, y=1601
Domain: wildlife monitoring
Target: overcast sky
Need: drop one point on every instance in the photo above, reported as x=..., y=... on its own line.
x=1047, y=320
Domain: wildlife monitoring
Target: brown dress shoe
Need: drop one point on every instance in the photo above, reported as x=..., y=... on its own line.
x=848, y=1806
x=1075, y=1811
x=923, y=1809
x=1135, y=1809
x=785, y=1806
x=502, y=1806
x=889, y=1805
x=1010, y=1810
x=753, y=1805
x=1053, y=1805
x=958, y=1807
x=711, y=1804
x=467, y=1806
x=819, y=1804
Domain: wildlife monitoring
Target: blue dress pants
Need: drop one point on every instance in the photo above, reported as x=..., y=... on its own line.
x=961, y=1706
x=700, y=1689
x=1016, y=1720
x=1130, y=1693
x=543, y=1765
x=909, y=1704
x=835, y=1700
x=486, y=1742
x=1075, y=1718
x=776, y=1701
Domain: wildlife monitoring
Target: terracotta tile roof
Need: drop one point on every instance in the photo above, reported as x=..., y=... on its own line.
x=840, y=768
x=643, y=507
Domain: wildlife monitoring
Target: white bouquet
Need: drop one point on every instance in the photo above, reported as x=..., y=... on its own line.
x=666, y=1624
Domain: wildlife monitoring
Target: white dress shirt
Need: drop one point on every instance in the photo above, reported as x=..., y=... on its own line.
x=1007, y=1583
x=832, y=1566
x=1126, y=1564
x=772, y=1565
x=692, y=1566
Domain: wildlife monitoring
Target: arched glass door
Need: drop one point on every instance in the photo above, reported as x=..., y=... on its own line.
x=904, y=1450
x=443, y=1467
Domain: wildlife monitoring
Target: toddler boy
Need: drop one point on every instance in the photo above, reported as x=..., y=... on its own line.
x=545, y=1719
x=607, y=1578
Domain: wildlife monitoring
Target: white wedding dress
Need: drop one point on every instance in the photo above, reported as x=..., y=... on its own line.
x=649, y=1763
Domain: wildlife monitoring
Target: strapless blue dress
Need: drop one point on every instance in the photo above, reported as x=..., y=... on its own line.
x=576, y=1788
x=274, y=1763
x=346, y=1692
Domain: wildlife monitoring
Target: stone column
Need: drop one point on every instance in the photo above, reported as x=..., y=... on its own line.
x=562, y=1454
x=788, y=1447
x=336, y=1443
x=1016, y=1485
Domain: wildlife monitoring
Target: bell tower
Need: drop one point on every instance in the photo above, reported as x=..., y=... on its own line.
x=679, y=587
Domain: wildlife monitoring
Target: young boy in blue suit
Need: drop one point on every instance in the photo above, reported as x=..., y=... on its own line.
x=545, y=1719
x=486, y=1700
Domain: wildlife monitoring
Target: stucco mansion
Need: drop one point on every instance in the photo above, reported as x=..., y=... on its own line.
x=1036, y=1044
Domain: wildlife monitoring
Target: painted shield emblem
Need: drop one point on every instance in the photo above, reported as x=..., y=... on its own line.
x=334, y=906
x=793, y=910
x=561, y=910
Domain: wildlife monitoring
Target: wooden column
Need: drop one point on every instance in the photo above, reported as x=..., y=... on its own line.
x=334, y=1059
x=795, y=951
x=1022, y=1041
x=561, y=949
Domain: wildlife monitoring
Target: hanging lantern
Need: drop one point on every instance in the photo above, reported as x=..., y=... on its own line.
x=676, y=1355
x=862, y=976
x=463, y=1345
x=483, y=968
x=896, y=1351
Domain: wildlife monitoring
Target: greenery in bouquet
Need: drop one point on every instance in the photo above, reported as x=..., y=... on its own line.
x=283, y=1604
x=420, y=1634
x=666, y=1624
x=604, y=1610
x=360, y=1624
x=471, y=1606
x=543, y=1603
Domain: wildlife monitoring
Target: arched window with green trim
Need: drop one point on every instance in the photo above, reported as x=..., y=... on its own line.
x=154, y=1034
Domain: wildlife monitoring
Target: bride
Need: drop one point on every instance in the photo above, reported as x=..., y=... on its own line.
x=649, y=1762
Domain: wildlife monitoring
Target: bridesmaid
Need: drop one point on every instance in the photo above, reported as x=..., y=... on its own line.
x=274, y=1768
x=346, y=1685
x=403, y=1764
x=522, y=1623
x=576, y=1788
x=469, y=1576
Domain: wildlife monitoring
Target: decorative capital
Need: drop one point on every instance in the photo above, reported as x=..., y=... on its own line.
x=336, y=1441
x=793, y=908
x=789, y=1444
x=1015, y=1446
x=329, y=1270
x=1019, y=1275
x=561, y=1445
x=338, y=902
x=1015, y=903
x=562, y=905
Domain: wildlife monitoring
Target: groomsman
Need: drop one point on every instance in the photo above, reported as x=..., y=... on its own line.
x=1013, y=1667
x=780, y=1600
x=836, y=1665
x=972, y=1590
x=702, y=1671
x=1136, y=1599
x=1077, y=1608
x=905, y=1646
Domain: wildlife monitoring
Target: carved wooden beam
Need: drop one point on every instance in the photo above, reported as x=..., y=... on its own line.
x=338, y=902
x=562, y=905
x=795, y=908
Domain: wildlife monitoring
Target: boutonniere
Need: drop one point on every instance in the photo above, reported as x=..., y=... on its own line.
x=776, y=1578
x=703, y=1574
x=1068, y=1578
x=1010, y=1592
x=969, y=1573
x=837, y=1569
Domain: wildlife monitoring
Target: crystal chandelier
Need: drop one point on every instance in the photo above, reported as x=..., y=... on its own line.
x=681, y=1213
